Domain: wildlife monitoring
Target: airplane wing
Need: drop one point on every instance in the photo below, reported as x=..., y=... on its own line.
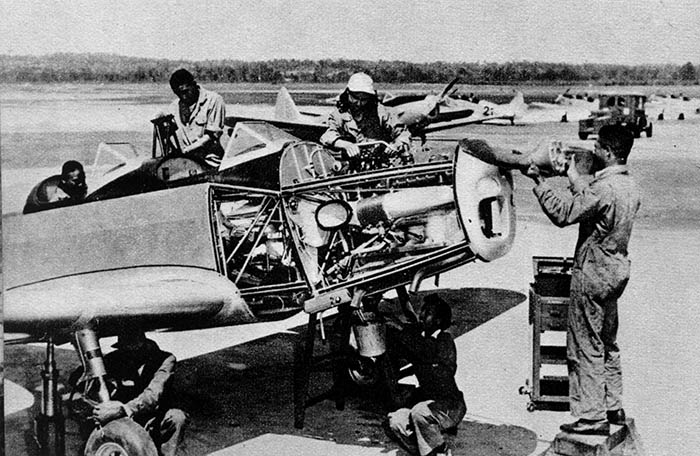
x=152, y=296
x=470, y=120
x=124, y=259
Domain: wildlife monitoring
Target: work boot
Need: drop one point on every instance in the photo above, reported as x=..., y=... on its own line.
x=442, y=450
x=617, y=417
x=582, y=426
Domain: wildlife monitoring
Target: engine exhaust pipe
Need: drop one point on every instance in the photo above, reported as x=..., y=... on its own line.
x=402, y=203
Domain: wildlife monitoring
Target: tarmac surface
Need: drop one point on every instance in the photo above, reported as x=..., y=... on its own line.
x=236, y=383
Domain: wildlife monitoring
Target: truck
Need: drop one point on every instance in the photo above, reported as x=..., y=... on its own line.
x=617, y=109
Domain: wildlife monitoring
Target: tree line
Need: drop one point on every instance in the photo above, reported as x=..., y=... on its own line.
x=65, y=67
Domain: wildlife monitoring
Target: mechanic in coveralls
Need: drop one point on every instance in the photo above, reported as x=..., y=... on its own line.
x=359, y=117
x=142, y=372
x=199, y=114
x=604, y=207
x=438, y=404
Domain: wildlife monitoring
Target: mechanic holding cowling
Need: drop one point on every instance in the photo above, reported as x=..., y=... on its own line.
x=604, y=206
x=359, y=117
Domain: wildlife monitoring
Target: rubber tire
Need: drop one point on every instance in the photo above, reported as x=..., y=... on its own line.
x=582, y=136
x=649, y=131
x=531, y=407
x=120, y=437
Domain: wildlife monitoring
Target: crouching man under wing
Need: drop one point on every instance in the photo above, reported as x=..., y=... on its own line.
x=438, y=404
x=141, y=373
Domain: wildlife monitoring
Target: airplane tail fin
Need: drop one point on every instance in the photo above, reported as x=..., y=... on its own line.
x=517, y=105
x=285, y=108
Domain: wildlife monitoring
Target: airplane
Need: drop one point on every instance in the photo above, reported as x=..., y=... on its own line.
x=421, y=113
x=281, y=227
x=566, y=108
x=579, y=99
x=672, y=106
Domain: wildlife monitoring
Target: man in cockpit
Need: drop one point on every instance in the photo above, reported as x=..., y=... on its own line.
x=359, y=117
x=199, y=114
x=65, y=189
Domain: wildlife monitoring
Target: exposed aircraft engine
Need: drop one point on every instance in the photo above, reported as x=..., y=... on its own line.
x=406, y=221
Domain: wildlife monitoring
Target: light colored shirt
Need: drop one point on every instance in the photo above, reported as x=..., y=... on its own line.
x=206, y=116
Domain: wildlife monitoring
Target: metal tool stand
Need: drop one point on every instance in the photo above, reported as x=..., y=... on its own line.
x=305, y=363
x=341, y=357
x=549, y=300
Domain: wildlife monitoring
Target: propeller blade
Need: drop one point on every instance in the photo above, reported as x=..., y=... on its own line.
x=448, y=87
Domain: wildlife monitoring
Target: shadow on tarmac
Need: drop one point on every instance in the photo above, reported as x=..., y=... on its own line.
x=242, y=392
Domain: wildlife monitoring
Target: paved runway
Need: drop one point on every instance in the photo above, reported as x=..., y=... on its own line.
x=659, y=333
x=658, y=339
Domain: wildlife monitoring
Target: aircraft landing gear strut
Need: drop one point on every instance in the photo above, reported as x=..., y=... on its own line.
x=49, y=425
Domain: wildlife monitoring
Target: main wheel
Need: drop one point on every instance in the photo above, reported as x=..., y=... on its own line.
x=649, y=131
x=582, y=135
x=363, y=371
x=122, y=437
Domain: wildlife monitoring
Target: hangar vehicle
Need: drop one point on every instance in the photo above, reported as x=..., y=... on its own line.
x=626, y=110
x=279, y=227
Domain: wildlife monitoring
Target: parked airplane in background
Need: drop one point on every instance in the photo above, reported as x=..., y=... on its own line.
x=421, y=113
x=279, y=227
x=425, y=113
x=567, y=107
x=677, y=107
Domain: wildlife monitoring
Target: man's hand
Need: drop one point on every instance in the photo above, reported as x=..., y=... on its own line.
x=572, y=172
x=351, y=149
x=394, y=324
x=534, y=173
x=108, y=411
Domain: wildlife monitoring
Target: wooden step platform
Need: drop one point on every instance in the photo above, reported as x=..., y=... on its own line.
x=623, y=440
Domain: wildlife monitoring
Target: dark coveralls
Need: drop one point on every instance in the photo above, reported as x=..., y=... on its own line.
x=142, y=385
x=440, y=404
x=605, y=208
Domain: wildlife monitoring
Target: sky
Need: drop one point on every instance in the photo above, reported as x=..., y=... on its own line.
x=583, y=31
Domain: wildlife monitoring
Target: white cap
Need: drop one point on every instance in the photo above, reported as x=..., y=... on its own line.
x=361, y=82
